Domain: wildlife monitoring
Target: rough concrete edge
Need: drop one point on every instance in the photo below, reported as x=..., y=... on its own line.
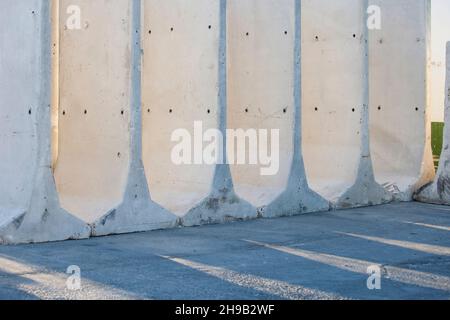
x=137, y=212
x=438, y=191
x=298, y=198
x=45, y=220
x=222, y=204
x=365, y=191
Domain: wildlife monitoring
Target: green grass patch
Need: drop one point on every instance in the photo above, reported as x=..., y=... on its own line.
x=437, y=134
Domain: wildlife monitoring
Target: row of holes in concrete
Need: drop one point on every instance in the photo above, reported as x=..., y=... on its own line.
x=210, y=27
x=122, y=112
x=248, y=33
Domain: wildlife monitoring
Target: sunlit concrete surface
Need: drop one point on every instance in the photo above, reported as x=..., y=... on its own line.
x=261, y=88
x=399, y=113
x=320, y=256
x=94, y=107
x=326, y=73
x=179, y=87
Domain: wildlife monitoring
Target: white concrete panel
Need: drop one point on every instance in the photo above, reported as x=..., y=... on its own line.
x=29, y=207
x=94, y=109
x=180, y=82
x=333, y=93
x=261, y=38
x=399, y=108
x=19, y=99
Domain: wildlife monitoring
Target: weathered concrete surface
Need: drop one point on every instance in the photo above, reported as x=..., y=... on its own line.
x=399, y=104
x=264, y=82
x=179, y=86
x=335, y=103
x=439, y=191
x=318, y=256
x=29, y=205
x=94, y=107
x=247, y=75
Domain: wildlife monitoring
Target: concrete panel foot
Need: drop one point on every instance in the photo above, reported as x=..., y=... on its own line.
x=297, y=199
x=222, y=205
x=45, y=220
x=365, y=192
x=137, y=213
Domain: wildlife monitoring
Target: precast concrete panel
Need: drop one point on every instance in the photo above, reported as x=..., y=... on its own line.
x=94, y=105
x=264, y=106
x=179, y=91
x=336, y=98
x=399, y=105
x=29, y=206
x=19, y=101
x=333, y=85
x=260, y=95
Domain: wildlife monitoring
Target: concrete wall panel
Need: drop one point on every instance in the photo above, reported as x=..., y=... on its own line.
x=94, y=109
x=333, y=59
x=400, y=139
x=179, y=87
x=29, y=207
x=260, y=89
x=19, y=98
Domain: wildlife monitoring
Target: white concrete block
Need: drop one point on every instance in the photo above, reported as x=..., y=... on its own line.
x=399, y=104
x=264, y=93
x=335, y=103
x=29, y=206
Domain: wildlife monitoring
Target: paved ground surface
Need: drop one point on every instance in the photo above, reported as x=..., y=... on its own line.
x=319, y=256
